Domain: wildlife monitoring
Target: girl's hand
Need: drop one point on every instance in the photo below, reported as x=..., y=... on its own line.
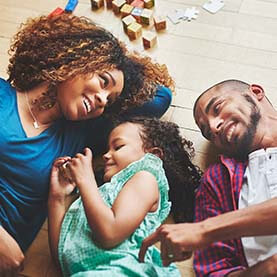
x=81, y=168
x=60, y=186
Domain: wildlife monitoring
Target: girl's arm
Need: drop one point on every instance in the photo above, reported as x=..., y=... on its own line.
x=113, y=225
x=60, y=188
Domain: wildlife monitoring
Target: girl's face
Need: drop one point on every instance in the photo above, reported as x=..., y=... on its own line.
x=125, y=147
x=86, y=97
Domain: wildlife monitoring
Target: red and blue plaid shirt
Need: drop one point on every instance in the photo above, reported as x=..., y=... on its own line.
x=218, y=194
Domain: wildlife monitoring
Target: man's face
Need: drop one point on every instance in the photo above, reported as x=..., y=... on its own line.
x=229, y=120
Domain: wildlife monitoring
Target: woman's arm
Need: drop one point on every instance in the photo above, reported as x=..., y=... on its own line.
x=11, y=256
x=113, y=225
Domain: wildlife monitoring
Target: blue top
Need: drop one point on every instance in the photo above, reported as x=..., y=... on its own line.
x=25, y=164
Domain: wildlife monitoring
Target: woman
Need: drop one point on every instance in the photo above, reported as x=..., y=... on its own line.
x=63, y=70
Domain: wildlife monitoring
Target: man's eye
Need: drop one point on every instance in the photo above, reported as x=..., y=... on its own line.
x=216, y=108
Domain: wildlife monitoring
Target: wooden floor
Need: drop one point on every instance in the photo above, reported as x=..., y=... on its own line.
x=240, y=42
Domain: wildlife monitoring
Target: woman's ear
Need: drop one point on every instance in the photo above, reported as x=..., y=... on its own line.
x=157, y=151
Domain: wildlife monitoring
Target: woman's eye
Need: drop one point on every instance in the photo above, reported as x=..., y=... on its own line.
x=110, y=101
x=105, y=80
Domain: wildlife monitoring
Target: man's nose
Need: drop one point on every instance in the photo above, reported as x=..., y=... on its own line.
x=102, y=98
x=215, y=125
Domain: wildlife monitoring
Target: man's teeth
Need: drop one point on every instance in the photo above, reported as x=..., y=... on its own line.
x=87, y=105
x=230, y=133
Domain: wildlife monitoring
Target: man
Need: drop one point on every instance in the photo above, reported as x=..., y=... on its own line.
x=237, y=196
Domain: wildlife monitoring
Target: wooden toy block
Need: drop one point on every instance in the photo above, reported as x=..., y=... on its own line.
x=56, y=12
x=109, y=4
x=97, y=4
x=70, y=6
x=134, y=30
x=146, y=16
x=149, y=4
x=117, y=4
x=137, y=3
x=149, y=39
x=126, y=10
x=136, y=13
x=159, y=22
x=127, y=20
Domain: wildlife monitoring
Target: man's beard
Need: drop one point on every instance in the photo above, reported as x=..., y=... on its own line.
x=245, y=143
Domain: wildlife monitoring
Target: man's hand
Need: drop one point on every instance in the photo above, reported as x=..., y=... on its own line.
x=11, y=256
x=177, y=241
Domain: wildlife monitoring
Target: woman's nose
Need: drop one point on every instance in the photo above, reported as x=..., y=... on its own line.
x=102, y=98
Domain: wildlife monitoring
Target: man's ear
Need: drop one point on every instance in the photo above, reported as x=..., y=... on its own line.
x=258, y=91
x=157, y=151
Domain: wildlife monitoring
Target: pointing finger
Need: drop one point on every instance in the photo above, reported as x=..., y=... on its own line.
x=153, y=238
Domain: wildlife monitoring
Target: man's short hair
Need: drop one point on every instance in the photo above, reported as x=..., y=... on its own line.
x=231, y=84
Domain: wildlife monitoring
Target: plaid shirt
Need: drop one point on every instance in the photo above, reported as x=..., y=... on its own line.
x=218, y=194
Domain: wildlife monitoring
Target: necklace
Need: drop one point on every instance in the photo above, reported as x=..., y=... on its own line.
x=35, y=121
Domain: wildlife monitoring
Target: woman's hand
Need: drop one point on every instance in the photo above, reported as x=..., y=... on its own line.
x=60, y=185
x=11, y=256
x=81, y=168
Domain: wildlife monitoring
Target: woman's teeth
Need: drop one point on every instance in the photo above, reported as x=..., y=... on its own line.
x=87, y=104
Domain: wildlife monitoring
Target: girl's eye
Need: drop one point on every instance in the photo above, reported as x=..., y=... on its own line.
x=117, y=147
x=105, y=80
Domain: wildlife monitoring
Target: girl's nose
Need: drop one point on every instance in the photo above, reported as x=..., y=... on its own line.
x=106, y=156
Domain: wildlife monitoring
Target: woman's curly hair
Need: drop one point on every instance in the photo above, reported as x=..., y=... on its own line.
x=55, y=49
x=183, y=176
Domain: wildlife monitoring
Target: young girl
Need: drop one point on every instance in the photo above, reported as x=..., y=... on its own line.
x=101, y=233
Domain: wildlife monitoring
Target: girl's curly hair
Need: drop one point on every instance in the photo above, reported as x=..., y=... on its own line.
x=55, y=49
x=183, y=176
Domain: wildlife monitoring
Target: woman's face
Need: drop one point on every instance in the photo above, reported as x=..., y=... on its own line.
x=86, y=97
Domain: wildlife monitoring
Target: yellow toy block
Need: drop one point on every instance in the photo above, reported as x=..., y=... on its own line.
x=127, y=20
x=134, y=30
x=126, y=9
x=149, y=4
x=117, y=4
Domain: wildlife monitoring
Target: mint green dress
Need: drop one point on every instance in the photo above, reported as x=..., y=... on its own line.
x=80, y=256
